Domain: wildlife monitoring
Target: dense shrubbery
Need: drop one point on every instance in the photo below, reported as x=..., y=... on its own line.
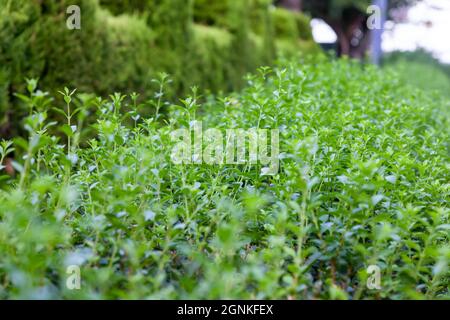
x=122, y=50
x=36, y=43
x=419, y=69
x=363, y=181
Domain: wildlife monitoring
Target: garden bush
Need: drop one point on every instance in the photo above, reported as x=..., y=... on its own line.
x=16, y=21
x=212, y=58
x=123, y=44
x=108, y=54
x=127, y=6
x=363, y=180
x=434, y=76
x=291, y=25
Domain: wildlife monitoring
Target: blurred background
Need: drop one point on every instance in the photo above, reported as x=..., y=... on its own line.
x=212, y=44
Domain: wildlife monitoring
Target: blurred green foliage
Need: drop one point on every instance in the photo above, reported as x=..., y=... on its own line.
x=419, y=69
x=36, y=43
x=291, y=25
x=122, y=44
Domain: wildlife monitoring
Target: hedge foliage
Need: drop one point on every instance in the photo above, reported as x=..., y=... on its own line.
x=363, y=181
x=95, y=59
x=123, y=44
x=434, y=75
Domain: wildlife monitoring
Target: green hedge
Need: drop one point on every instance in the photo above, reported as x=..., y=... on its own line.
x=211, y=12
x=434, y=76
x=260, y=32
x=362, y=180
x=108, y=53
x=292, y=25
x=212, y=57
x=122, y=45
x=118, y=7
x=17, y=35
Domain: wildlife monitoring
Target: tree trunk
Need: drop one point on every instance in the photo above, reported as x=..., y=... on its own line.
x=352, y=32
